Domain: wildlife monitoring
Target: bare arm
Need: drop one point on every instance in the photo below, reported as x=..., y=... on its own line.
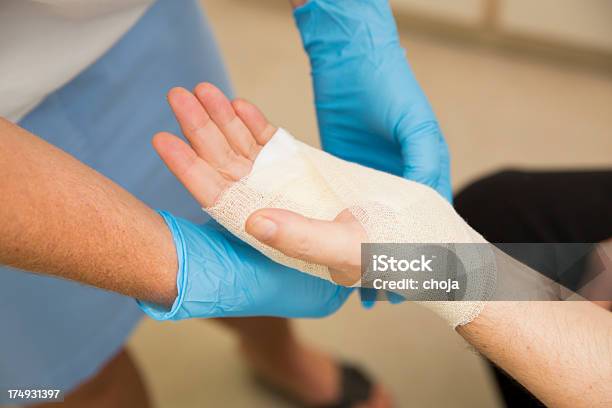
x=60, y=217
x=560, y=351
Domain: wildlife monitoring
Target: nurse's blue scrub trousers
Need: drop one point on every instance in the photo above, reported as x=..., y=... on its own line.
x=54, y=333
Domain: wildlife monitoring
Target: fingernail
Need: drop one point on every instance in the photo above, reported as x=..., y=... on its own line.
x=263, y=228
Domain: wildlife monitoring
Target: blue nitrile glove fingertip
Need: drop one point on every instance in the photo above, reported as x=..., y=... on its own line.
x=368, y=304
x=394, y=298
x=368, y=297
x=158, y=312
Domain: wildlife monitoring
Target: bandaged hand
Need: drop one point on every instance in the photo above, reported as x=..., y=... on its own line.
x=298, y=205
x=219, y=275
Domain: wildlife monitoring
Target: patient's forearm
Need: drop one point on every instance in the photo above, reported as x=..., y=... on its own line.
x=62, y=218
x=560, y=351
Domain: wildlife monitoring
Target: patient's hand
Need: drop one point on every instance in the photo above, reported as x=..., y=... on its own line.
x=224, y=140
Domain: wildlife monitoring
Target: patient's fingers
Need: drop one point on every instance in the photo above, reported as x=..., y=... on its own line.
x=222, y=113
x=252, y=117
x=207, y=140
x=202, y=181
x=336, y=244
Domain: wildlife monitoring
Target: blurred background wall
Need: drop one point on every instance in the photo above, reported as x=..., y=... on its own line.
x=578, y=28
x=515, y=83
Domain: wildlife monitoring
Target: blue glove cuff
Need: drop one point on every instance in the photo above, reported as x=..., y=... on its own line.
x=204, y=286
x=334, y=31
x=219, y=276
x=157, y=312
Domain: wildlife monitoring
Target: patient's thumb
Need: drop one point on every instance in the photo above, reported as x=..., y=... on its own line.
x=331, y=243
x=263, y=228
x=289, y=232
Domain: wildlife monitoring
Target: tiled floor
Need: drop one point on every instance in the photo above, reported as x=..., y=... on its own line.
x=497, y=110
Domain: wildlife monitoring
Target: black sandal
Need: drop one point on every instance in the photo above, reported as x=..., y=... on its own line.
x=355, y=387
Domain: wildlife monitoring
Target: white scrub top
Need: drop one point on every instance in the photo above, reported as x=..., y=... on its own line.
x=46, y=43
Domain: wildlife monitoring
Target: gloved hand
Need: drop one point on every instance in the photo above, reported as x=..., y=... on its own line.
x=220, y=276
x=370, y=108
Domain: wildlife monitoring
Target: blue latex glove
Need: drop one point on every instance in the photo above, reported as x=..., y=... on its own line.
x=221, y=276
x=370, y=108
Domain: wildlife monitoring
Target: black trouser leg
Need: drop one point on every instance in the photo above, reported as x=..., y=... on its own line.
x=538, y=207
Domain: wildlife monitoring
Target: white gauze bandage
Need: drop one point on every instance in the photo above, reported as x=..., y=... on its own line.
x=291, y=175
